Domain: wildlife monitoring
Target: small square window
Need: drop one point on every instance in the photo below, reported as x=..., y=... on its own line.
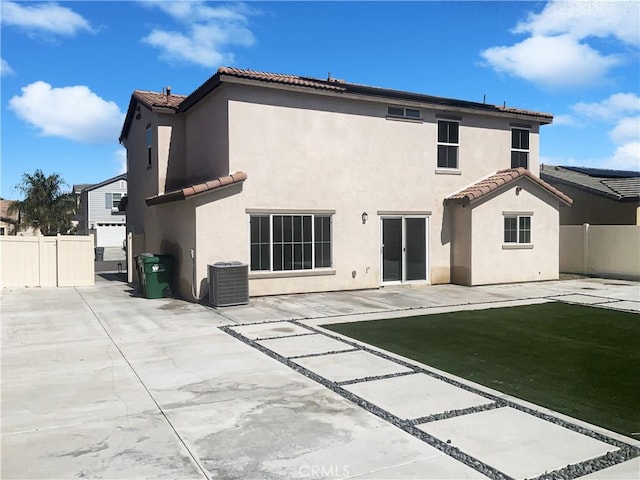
x=517, y=229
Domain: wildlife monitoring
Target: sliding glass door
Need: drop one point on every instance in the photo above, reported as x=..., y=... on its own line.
x=404, y=249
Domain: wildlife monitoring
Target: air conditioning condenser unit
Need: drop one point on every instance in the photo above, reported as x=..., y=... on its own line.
x=228, y=284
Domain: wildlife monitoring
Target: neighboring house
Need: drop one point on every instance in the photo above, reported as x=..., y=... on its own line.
x=98, y=211
x=346, y=186
x=7, y=222
x=601, y=197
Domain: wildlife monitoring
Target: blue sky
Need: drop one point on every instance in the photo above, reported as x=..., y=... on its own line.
x=69, y=68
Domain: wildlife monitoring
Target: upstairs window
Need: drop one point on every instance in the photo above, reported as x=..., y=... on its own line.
x=112, y=201
x=517, y=229
x=149, y=139
x=519, y=147
x=290, y=242
x=448, y=143
x=404, y=112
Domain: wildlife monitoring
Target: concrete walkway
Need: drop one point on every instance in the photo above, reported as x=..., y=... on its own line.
x=99, y=383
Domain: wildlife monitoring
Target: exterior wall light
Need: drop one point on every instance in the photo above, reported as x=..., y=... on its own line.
x=365, y=217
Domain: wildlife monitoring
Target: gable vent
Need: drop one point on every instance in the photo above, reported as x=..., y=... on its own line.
x=228, y=284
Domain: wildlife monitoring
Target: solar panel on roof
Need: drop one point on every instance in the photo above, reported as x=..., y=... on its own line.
x=604, y=173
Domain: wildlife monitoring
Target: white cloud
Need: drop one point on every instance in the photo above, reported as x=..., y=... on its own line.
x=626, y=130
x=620, y=113
x=567, y=120
x=121, y=160
x=559, y=61
x=557, y=52
x=583, y=19
x=75, y=113
x=612, y=108
x=44, y=18
x=626, y=157
x=206, y=33
x=5, y=68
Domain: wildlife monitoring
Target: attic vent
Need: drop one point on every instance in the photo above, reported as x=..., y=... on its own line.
x=228, y=284
x=404, y=112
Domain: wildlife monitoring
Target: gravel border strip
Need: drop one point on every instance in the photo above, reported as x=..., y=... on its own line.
x=456, y=413
x=278, y=337
x=590, y=466
x=322, y=354
x=449, y=450
x=374, y=378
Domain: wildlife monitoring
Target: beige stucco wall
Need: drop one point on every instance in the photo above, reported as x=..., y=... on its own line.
x=601, y=250
x=206, y=136
x=310, y=153
x=492, y=261
x=595, y=209
x=460, y=216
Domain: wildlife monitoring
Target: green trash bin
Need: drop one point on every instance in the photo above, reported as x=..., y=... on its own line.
x=139, y=272
x=156, y=276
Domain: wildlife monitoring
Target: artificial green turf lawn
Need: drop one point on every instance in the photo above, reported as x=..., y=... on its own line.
x=581, y=361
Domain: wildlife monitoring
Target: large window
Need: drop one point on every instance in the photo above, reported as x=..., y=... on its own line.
x=519, y=147
x=517, y=229
x=290, y=242
x=448, y=143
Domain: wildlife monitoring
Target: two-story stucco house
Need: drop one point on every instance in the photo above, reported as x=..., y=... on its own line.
x=98, y=211
x=325, y=185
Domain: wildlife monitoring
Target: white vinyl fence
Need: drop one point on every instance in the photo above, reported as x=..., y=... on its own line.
x=611, y=251
x=61, y=261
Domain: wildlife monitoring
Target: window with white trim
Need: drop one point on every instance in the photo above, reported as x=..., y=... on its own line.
x=448, y=143
x=517, y=229
x=404, y=112
x=112, y=201
x=290, y=242
x=519, y=147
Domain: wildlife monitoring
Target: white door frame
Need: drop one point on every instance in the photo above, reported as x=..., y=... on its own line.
x=427, y=225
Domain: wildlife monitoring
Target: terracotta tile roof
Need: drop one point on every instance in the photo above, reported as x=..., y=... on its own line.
x=329, y=84
x=341, y=86
x=190, y=190
x=155, y=99
x=182, y=103
x=497, y=180
x=615, y=184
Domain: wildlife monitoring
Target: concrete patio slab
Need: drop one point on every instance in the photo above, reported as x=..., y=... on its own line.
x=304, y=345
x=631, y=306
x=518, y=444
x=132, y=446
x=415, y=396
x=440, y=467
x=582, y=299
x=270, y=330
x=350, y=366
x=627, y=470
x=99, y=382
